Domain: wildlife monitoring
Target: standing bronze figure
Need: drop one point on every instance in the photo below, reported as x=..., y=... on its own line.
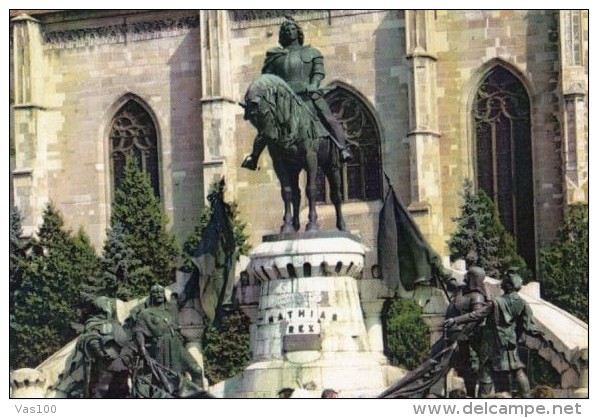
x=465, y=318
x=512, y=317
x=107, y=353
x=160, y=343
x=462, y=347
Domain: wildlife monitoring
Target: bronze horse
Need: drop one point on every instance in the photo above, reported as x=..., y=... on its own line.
x=296, y=140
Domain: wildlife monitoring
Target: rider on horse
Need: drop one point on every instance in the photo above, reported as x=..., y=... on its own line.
x=302, y=67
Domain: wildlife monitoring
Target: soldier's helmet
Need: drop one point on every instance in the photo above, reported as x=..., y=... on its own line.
x=512, y=280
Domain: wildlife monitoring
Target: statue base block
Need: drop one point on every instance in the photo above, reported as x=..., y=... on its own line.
x=308, y=330
x=363, y=375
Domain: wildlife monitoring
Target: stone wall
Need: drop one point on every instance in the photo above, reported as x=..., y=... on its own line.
x=90, y=68
x=574, y=103
x=468, y=44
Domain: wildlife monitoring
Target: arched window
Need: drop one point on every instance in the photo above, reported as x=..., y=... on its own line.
x=133, y=134
x=501, y=113
x=361, y=178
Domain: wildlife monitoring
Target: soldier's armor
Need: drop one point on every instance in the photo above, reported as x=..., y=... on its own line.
x=302, y=68
x=468, y=310
x=296, y=66
x=463, y=304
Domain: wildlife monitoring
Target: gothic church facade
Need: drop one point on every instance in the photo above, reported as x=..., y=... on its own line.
x=428, y=98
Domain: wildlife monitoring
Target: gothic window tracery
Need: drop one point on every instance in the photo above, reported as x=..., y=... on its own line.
x=361, y=178
x=133, y=134
x=501, y=114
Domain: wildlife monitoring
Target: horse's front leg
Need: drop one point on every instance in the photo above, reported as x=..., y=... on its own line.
x=310, y=192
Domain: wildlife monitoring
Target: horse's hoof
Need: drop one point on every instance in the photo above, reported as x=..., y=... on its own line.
x=341, y=226
x=287, y=229
x=312, y=227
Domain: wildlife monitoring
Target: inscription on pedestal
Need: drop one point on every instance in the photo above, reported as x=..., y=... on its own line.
x=302, y=342
x=298, y=315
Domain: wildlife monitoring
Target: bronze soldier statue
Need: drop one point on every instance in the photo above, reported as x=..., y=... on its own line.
x=512, y=316
x=469, y=306
x=158, y=338
x=302, y=67
x=107, y=351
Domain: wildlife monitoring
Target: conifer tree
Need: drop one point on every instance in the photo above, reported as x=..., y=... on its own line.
x=566, y=264
x=121, y=274
x=18, y=247
x=482, y=240
x=469, y=242
x=85, y=259
x=48, y=302
x=138, y=212
x=226, y=349
x=407, y=335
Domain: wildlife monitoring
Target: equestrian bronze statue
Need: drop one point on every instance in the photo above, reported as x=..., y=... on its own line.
x=296, y=141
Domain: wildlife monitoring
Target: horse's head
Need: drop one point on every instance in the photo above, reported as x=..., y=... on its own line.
x=270, y=105
x=251, y=107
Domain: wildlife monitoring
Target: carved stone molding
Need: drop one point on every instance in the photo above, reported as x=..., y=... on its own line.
x=246, y=15
x=113, y=34
x=85, y=37
x=241, y=19
x=162, y=28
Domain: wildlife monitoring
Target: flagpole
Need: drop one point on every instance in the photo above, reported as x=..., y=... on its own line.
x=387, y=179
x=226, y=271
x=445, y=378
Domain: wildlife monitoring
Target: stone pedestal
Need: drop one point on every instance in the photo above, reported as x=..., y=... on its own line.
x=27, y=383
x=308, y=328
